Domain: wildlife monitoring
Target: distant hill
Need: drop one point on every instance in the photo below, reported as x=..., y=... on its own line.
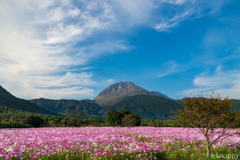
x=63, y=106
x=10, y=101
x=235, y=106
x=146, y=106
x=11, y=113
x=115, y=92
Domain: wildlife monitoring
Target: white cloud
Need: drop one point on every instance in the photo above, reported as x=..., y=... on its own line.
x=172, y=67
x=41, y=40
x=185, y=10
x=74, y=12
x=226, y=83
x=35, y=49
x=167, y=24
x=110, y=81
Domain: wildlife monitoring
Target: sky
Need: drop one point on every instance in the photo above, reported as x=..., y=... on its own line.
x=73, y=49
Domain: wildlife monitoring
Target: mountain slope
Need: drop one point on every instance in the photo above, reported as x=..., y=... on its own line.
x=113, y=93
x=11, y=113
x=63, y=106
x=8, y=100
x=146, y=106
x=235, y=106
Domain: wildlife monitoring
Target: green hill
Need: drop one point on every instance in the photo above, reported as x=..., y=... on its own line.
x=10, y=113
x=63, y=106
x=235, y=106
x=10, y=101
x=146, y=106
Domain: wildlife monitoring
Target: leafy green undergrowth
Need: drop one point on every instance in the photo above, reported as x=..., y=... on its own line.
x=184, y=151
x=87, y=156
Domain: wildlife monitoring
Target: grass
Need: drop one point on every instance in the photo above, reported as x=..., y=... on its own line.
x=183, y=151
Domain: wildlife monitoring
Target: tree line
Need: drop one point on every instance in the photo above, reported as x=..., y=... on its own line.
x=75, y=118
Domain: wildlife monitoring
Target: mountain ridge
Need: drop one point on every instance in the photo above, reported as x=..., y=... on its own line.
x=62, y=106
x=113, y=93
x=9, y=100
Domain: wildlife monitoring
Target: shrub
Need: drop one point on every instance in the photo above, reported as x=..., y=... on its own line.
x=33, y=120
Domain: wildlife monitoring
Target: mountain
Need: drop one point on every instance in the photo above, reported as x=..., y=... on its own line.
x=113, y=93
x=62, y=106
x=10, y=101
x=156, y=93
x=146, y=106
x=235, y=106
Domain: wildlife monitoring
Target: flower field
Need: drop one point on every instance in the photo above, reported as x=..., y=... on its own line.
x=109, y=143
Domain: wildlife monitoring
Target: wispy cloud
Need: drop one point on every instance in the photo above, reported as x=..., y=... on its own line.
x=170, y=67
x=185, y=10
x=226, y=83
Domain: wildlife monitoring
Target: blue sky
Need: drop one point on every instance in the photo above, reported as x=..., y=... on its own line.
x=74, y=49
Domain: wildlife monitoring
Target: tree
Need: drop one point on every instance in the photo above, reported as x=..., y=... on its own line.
x=75, y=117
x=75, y=113
x=65, y=122
x=237, y=116
x=209, y=115
x=112, y=117
x=33, y=120
x=115, y=117
x=131, y=120
x=152, y=123
x=120, y=115
x=95, y=121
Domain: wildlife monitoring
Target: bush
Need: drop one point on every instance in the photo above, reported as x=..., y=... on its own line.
x=131, y=120
x=10, y=123
x=33, y=120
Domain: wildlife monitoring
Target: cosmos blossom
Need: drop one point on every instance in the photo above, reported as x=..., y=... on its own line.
x=99, y=141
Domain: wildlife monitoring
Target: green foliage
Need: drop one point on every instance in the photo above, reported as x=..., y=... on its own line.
x=115, y=117
x=112, y=118
x=33, y=120
x=96, y=121
x=144, y=139
x=10, y=123
x=131, y=120
x=160, y=123
x=75, y=113
x=17, y=115
x=237, y=119
x=147, y=107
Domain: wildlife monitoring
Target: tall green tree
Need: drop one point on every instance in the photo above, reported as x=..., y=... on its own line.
x=115, y=117
x=209, y=115
x=112, y=117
